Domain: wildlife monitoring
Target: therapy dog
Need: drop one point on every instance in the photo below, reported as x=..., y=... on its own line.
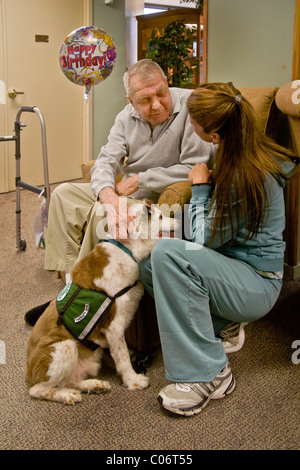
x=59, y=360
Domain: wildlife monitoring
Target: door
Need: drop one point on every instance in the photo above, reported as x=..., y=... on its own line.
x=32, y=34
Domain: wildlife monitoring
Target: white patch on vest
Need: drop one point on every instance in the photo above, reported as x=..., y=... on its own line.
x=83, y=314
x=64, y=292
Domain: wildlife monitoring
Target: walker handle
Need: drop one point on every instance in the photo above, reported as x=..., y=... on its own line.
x=28, y=109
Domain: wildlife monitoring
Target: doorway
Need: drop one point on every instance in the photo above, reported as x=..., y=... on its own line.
x=32, y=35
x=190, y=16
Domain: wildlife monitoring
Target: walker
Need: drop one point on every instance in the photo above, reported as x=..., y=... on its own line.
x=20, y=242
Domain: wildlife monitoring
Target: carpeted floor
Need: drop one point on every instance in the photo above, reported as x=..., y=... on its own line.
x=262, y=413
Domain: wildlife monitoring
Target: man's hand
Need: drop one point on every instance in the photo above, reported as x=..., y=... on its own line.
x=128, y=186
x=118, y=213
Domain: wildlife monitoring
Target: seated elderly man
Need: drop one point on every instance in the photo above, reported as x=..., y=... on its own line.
x=152, y=143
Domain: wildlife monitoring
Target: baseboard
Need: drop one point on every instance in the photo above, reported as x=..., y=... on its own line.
x=291, y=272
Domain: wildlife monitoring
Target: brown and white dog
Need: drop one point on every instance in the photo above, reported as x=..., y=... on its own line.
x=57, y=363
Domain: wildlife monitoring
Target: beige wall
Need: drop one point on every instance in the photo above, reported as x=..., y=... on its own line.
x=250, y=42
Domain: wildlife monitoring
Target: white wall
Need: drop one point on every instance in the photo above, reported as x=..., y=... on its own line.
x=249, y=43
x=132, y=9
x=109, y=95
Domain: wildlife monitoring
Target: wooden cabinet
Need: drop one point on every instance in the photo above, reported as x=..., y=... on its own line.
x=192, y=16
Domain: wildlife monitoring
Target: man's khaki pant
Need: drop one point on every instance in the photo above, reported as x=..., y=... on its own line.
x=76, y=222
x=73, y=208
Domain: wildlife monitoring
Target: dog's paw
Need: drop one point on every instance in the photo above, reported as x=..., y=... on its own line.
x=94, y=385
x=69, y=397
x=102, y=385
x=137, y=382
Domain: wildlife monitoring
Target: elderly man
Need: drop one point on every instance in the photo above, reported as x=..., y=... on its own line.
x=152, y=143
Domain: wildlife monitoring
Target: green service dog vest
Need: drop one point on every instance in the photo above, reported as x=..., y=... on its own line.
x=80, y=310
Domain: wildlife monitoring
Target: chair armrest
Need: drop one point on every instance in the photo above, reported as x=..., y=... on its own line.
x=86, y=168
x=177, y=193
x=86, y=172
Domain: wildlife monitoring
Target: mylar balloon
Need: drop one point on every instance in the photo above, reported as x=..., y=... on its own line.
x=87, y=57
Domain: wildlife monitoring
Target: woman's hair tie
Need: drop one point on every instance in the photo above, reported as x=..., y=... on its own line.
x=238, y=97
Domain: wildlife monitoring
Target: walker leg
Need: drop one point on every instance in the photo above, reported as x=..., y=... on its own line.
x=20, y=243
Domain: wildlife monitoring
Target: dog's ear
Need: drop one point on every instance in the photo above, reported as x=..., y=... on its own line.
x=148, y=204
x=137, y=209
x=142, y=208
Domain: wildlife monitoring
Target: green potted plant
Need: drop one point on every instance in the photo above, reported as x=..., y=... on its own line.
x=172, y=49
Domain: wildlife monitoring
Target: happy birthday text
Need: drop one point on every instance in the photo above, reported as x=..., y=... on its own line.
x=79, y=61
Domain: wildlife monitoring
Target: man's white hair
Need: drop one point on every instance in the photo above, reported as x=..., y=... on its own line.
x=145, y=69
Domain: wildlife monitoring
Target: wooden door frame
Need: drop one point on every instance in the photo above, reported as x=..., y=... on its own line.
x=3, y=55
x=293, y=245
x=87, y=150
x=296, y=46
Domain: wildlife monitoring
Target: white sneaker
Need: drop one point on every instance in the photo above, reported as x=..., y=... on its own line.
x=233, y=337
x=190, y=398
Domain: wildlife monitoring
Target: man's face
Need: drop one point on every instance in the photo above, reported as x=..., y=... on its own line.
x=151, y=98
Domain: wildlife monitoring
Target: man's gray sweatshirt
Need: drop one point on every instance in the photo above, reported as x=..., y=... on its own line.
x=161, y=156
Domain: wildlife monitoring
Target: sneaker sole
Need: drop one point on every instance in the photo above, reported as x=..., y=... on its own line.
x=229, y=348
x=202, y=405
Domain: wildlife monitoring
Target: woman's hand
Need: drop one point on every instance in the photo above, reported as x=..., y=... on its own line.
x=199, y=174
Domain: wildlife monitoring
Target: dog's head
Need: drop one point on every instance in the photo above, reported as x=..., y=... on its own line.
x=149, y=225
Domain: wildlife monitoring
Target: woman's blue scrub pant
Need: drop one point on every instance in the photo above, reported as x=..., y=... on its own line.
x=198, y=291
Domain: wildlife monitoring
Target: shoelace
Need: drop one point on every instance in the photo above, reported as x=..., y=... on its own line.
x=230, y=332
